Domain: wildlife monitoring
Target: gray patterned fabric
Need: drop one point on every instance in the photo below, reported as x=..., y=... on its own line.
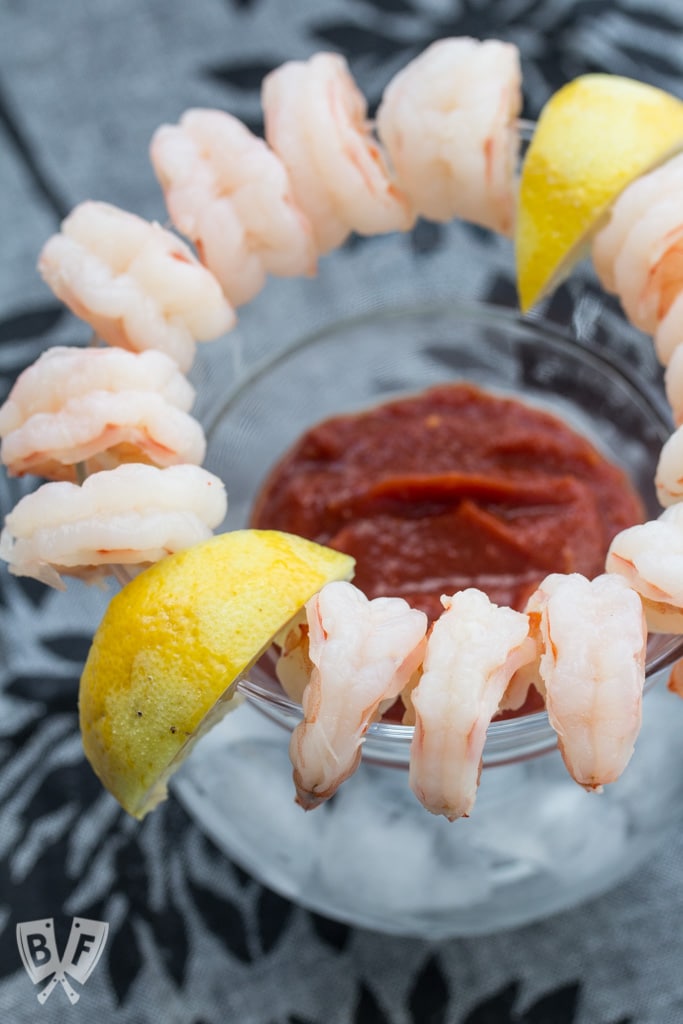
x=193, y=939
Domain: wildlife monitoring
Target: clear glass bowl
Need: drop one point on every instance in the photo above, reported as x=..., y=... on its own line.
x=372, y=856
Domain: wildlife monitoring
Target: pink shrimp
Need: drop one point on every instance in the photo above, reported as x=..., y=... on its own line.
x=650, y=558
x=132, y=515
x=673, y=383
x=669, y=471
x=363, y=653
x=675, y=683
x=448, y=122
x=628, y=209
x=592, y=667
x=103, y=429
x=135, y=283
x=230, y=195
x=315, y=120
x=294, y=667
x=639, y=254
x=98, y=405
x=65, y=372
x=473, y=650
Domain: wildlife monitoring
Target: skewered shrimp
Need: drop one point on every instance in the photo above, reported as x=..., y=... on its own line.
x=675, y=683
x=628, y=208
x=294, y=667
x=593, y=638
x=103, y=429
x=132, y=515
x=650, y=558
x=363, y=652
x=638, y=255
x=101, y=405
x=673, y=383
x=230, y=195
x=315, y=120
x=64, y=372
x=473, y=650
x=669, y=472
x=135, y=283
x=669, y=333
x=518, y=688
x=448, y=122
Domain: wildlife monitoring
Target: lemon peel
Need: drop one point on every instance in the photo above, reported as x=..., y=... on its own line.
x=164, y=661
x=594, y=136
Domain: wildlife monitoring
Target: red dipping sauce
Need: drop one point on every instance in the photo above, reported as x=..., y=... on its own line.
x=448, y=489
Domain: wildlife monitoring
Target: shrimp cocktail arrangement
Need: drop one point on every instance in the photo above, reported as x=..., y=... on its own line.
x=110, y=428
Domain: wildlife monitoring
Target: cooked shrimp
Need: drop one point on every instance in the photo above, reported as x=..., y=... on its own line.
x=649, y=269
x=103, y=429
x=135, y=283
x=669, y=472
x=593, y=671
x=650, y=558
x=673, y=382
x=63, y=372
x=639, y=254
x=520, y=684
x=231, y=196
x=675, y=683
x=363, y=653
x=132, y=515
x=473, y=650
x=669, y=333
x=294, y=667
x=628, y=208
x=448, y=122
x=315, y=120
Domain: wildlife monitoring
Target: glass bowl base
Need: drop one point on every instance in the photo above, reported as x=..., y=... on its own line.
x=536, y=842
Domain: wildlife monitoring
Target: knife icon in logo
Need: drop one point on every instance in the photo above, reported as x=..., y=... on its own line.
x=38, y=950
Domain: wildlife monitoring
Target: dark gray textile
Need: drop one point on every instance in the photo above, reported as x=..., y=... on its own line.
x=193, y=940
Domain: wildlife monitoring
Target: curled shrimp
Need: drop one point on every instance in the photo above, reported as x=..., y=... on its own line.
x=673, y=382
x=133, y=515
x=675, y=683
x=669, y=471
x=639, y=254
x=628, y=209
x=363, y=652
x=101, y=406
x=473, y=650
x=650, y=558
x=63, y=372
x=593, y=638
x=294, y=667
x=138, y=285
x=448, y=122
x=316, y=122
x=103, y=429
x=231, y=196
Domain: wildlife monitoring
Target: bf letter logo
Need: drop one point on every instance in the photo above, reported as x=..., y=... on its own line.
x=38, y=951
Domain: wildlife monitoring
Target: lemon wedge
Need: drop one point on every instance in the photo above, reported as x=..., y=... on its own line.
x=164, y=660
x=594, y=136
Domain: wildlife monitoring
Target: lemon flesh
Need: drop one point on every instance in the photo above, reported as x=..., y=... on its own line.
x=594, y=136
x=164, y=660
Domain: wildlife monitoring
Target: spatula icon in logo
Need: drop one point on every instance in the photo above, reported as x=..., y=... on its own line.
x=38, y=950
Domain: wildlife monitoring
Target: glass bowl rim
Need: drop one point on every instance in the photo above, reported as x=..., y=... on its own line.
x=473, y=308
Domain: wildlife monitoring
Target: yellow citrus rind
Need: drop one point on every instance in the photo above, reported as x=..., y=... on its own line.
x=172, y=644
x=594, y=136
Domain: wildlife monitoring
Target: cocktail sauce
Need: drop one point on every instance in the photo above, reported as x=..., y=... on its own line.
x=451, y=488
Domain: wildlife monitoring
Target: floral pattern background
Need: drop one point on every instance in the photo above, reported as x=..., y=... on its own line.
x=193, y=938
